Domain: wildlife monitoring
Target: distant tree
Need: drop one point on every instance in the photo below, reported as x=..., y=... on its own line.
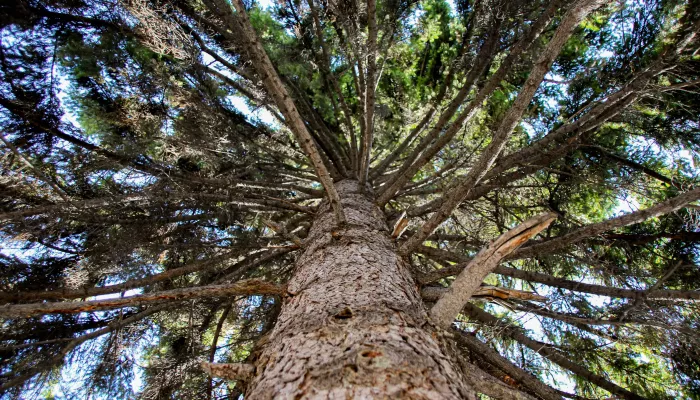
x=335, y=199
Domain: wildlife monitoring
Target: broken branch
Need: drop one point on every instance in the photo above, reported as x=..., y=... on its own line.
x=468, y=281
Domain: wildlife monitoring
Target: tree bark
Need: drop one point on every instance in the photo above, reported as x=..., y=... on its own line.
x=354, y=325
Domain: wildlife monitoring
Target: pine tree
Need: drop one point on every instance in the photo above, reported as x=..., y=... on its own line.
x=339, y=199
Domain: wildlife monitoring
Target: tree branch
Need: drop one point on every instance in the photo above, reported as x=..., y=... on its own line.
x=468, y=281
x=577, y=320
x=242, y=288
x=409, y=168
x=600, y=151
x=587, y=231
x=570, y=21
x=490, y=386
x=549, y=280
x=550, y=353
x=488, y=292
x=657, y=294
x=428, y=151
x=336, y=86
x=367, y=137
x=44, y=366
x=281, y=230
x=491, y=356
x=279, y=93
x=154, y=198
x=66, y=293
x=212, y=350
x=40, y=174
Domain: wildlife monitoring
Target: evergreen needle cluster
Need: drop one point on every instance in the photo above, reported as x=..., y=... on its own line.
x=349, y=199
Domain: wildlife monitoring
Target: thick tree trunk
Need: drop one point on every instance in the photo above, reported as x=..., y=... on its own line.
x=354, y=325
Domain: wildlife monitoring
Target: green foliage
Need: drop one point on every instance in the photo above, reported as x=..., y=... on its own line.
x=150, y=153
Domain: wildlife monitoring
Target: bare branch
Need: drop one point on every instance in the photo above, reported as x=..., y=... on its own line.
x=460, y=291
x=238, y=270
x=214, y=342
x=242, y=288
x=488, y=292
x=283, y=231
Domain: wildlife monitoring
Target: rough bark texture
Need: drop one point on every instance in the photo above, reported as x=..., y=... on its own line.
x=236, y=371
x=354, y=325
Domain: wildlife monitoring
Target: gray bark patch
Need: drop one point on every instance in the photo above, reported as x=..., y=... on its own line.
x=355, y=326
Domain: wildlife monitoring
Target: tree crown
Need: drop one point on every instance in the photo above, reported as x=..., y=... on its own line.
x=173, y=155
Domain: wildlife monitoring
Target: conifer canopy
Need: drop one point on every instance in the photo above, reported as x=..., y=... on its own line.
x=162, y=162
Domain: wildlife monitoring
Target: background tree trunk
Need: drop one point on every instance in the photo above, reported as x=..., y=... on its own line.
x=354, y=326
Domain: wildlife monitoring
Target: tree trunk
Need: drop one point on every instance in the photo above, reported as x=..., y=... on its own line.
x=354, y=325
